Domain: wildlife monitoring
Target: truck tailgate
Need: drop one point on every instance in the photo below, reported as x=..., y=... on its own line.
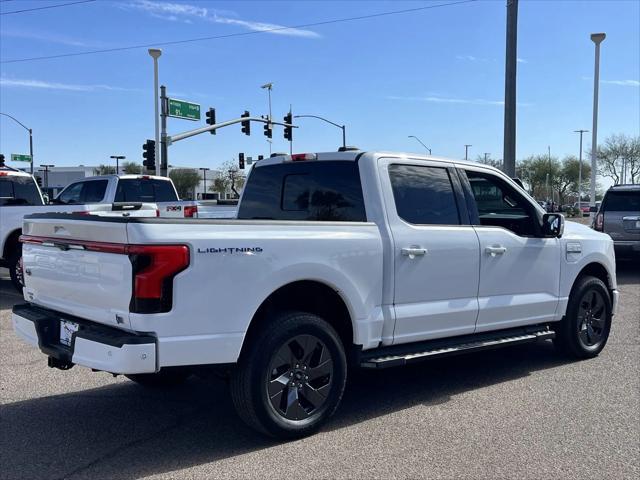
x=69, y=267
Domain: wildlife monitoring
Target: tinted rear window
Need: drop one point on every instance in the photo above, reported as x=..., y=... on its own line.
x=18, y=191
x=145, y=190
x=622, y=202
x=321, y=191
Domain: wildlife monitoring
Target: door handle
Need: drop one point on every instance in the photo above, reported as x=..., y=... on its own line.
x=495, y=250
x=413, y=251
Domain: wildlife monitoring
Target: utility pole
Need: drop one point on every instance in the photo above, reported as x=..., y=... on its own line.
x=466, y=151
x=117, y=158
x=596, y=38
x=486, y=155
x=46, y=174
x=155, y=54
x=164, y=112
x=269, y=87
x=580, y=167
x=204, y=173
x=30, y=136
x=510, y=75
x=550, y=187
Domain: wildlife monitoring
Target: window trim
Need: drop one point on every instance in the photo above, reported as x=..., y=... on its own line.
x=446, y=168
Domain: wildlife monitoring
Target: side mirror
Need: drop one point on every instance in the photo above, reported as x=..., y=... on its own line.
x=553, y=225
x=593, y=209
x=45, y=197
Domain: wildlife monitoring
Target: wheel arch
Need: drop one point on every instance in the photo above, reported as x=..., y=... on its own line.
x=10, y=241
x=311, y=296
x=598, y=270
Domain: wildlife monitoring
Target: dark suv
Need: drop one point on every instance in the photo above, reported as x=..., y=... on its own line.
x=619, y=216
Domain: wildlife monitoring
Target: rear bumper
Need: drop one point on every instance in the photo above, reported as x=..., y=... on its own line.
x=94, y=345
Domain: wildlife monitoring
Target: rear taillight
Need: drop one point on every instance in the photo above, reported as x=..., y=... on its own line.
x=154, y=267
x=191, y=211
x=599, y=223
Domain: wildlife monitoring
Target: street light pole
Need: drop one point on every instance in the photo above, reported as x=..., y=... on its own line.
x=30, y=136
x=596, y=38
x=580, y=167
x=155, y=54
x=486, y=155
x=421, y=143
x=466, y=151
x=343, y=127
x=117, y=158
x=510, y=72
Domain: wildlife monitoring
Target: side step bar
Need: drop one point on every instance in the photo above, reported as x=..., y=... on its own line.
x=395, y=356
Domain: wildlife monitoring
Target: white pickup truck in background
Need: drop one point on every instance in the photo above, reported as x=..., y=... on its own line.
x=367, y=259
x=127, y=189
x=20, y=196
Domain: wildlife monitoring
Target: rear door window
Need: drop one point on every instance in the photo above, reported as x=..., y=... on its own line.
x=622, y=201
x=19, y=191
x=314, y=190
x=424, y=195
x=93, y=191
x=145, y=190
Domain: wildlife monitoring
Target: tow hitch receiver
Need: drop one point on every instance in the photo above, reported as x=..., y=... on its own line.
x=60, y=364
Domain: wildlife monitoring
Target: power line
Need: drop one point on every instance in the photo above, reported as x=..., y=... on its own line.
x=48, y=6
x=238, y=34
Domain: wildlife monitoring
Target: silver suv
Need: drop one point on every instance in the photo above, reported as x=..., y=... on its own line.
x=619, y=216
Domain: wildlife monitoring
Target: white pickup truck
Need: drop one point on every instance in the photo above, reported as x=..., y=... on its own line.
x=104, y=196
x=364, y=259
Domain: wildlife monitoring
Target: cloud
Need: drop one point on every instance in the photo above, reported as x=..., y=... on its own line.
x=471, y=58
x=25, y=83
x=188, y=13
x=454, y=100
x=624, y=83
x=521, y=60
x=51, y=38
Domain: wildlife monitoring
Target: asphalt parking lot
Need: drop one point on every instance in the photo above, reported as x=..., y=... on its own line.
x=520, y=412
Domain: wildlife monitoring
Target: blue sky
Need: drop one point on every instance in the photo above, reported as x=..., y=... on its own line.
x=436, y=73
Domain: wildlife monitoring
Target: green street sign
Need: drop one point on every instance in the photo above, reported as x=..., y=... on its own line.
x=186, y=110
x=19, y=157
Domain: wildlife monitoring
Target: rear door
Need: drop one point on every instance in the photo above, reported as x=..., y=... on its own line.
x=621, y=212
x=519, y=270
x=435, y=250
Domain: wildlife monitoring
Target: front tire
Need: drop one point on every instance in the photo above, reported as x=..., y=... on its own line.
x=584, y=330
x=290, y=380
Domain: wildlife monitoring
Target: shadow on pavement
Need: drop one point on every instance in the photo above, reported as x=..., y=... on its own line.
x=126, y=431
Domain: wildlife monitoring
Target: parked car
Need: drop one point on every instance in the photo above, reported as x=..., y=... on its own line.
x=20, y=196
x=128, y=189
x=619, y=217
x=369, y=259
x=582, y=207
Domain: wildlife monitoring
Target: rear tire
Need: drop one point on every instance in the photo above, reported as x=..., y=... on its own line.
x=16, y=272
x=584, y=330
x=161, y=379
x=290, y=380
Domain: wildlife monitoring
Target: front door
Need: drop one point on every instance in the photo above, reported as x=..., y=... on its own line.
x=436, y=256
x=519, y=270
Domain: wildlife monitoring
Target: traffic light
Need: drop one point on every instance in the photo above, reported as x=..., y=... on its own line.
x=241, y=161
x=288, y=131
x=1, y=160
x=211, y=119
x=246, y=124
x=260, y=157
x=39, y=181
x=149, y=154
x=268, y=129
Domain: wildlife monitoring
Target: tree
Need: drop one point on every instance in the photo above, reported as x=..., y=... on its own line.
x=229, y=177
x=131, y=168
x=534, y=171
x=104, y=170
x=490, y=161
x=185, y=180
x=619, y=158
x=568, y=178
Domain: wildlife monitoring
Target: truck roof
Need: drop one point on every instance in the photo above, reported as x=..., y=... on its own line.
x=126, y=176
x=12, y=172
x=354, y=154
